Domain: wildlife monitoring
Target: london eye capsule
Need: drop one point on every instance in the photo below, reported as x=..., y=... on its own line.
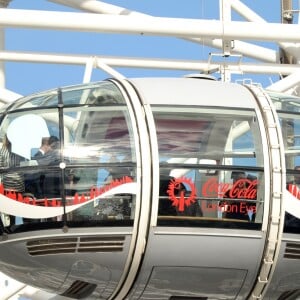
x=161, y=188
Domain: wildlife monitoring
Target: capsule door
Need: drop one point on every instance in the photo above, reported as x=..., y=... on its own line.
x=207, y=235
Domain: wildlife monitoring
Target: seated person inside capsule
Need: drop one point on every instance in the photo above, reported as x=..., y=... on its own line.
x=244, y=188
x=165, y=207
x=49, y=183
x=12, y=182
x=34, y=180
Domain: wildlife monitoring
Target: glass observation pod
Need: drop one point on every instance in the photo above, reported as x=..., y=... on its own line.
x=152, y=188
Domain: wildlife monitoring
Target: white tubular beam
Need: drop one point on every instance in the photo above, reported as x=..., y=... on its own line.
x=36, y=57
x=291, y=48
x=225, y=16
x=243, y=48
x=225, y=10
x=287, y=83
x=284, y=69
x=90, y=64
x=176, y=27
x=246, y=49
x=99, y=7
x=102, y=65
x=147, y=63
x=245, y=11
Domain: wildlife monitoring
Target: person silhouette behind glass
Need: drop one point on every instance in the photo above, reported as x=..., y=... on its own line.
x=11, y=181
x=34, y=180
x=240, y=210
x=50, y=182
x=165, y=207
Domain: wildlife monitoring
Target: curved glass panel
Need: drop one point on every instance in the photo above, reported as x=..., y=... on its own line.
x=67, y=158
x=211, y=167
x=288, y=108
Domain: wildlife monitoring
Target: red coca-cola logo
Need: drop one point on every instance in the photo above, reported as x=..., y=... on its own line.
x=241, y=189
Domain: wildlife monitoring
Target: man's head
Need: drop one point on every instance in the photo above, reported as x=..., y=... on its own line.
x=236, y=175
x=53, y=142
x=45, y=144
x=239, y=175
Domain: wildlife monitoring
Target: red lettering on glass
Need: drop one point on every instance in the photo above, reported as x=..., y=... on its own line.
x=244, y=189
x=241, y=189
x=76, y=199
x=229, y=207
x=213, y=188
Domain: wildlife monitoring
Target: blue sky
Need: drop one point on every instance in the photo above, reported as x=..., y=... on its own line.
x=25, y=78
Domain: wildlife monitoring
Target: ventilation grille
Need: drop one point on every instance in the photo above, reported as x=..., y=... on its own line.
x=75, y=245
x=292, y=251
x=79, y=290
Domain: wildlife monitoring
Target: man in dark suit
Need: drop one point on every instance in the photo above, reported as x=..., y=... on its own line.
x=50, y=179
x=35, y=180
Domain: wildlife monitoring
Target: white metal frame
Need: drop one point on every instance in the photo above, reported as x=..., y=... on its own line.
x=225, y=34
x=275, y=194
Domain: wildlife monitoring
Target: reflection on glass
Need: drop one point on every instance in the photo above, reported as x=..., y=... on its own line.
x=201, y=152
x=68, y=157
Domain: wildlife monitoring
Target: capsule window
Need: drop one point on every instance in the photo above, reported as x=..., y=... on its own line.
x=211, y=168
x=290, y=125
x=63, y=155
x=288, y=108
